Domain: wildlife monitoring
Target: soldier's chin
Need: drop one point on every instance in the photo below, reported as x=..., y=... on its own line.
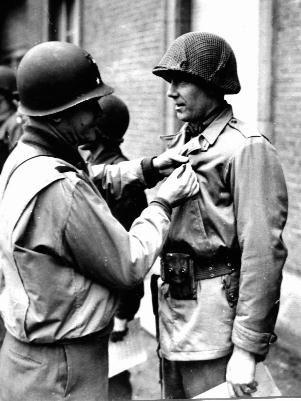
x=182, y=116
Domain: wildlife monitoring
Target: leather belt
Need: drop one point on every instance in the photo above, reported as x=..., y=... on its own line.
x=213, y=269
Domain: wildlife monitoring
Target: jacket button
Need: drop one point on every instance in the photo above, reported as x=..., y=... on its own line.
x=210, y=268
x=229, y=264
x=211, y=275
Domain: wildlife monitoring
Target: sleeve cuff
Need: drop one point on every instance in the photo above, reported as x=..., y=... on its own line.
x=150, y=174
x=164, y=204
x=252, y=341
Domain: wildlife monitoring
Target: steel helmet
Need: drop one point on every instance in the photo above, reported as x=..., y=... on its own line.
x=115, y=119
x=54, y=76
x=204, y=57
x=7, y=80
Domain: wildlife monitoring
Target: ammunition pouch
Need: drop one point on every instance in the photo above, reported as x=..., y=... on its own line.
x=182, y=273
x=178, y=271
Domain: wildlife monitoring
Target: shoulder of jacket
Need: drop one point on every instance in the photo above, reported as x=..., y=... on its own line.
x=54, y=169
x=40, y=171
x=246, y=129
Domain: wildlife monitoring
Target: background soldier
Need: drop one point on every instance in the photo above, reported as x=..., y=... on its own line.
x=10, y=121
x=63, y=255
x=114, y=122
x=223, y=258
x=10, y=126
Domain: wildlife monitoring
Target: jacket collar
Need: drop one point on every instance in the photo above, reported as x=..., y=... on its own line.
x=210, y=134
x=46, y=141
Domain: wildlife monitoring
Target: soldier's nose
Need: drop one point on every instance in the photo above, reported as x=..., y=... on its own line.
x=172, y=90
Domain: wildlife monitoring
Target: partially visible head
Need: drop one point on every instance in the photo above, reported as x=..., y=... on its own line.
x=113, y=123
x=115, y=118
x=203, y=58
x=7, y=80
x=8, y=88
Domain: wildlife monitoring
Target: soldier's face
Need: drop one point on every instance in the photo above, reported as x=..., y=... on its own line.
x=85, y=122
x=192, y=103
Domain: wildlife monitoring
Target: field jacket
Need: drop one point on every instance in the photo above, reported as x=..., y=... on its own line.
x=241, y=209
x=63, y=256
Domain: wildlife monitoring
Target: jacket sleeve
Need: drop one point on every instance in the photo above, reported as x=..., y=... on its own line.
x=102, y=249
x=260, y=206
x=129, y=206
x=115, y=178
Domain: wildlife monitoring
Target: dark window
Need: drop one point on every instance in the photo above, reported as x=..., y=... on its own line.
x=64, y=20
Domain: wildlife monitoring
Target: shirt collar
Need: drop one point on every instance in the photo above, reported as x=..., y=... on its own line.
x=197, y=128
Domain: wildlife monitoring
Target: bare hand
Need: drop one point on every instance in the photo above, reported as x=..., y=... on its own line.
x=240, y=374
x=181, y=184
x=168, y=161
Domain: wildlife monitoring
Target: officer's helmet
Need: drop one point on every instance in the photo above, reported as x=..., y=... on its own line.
x=54, y=76
x=115, y=118
x=203, y=57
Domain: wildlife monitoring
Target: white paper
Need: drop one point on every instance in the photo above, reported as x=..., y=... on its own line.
x=129, y=352
x=266, y=386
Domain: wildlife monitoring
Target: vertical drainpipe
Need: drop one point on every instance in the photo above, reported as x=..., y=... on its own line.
x=266, y=75
x=176, y=22
x=45, y=19
x=183, y=23
x=274, y=29
x=168, y=36
x=78, y=9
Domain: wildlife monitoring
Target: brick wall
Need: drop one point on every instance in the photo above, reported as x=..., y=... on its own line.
x=127, y=40
x=286, y=108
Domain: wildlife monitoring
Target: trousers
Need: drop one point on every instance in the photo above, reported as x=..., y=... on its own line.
x=186, y=379
x=73, y=371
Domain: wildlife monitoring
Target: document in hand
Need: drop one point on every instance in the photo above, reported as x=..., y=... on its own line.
x=266, y=386
x=129, y=352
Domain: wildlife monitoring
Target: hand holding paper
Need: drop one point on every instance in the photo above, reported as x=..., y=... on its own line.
x=240, y=374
